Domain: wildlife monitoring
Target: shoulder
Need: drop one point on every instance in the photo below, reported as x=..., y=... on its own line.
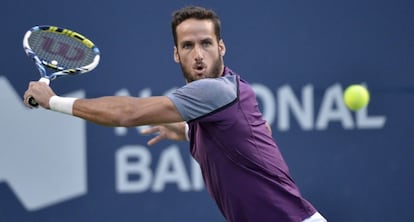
x=204, y=96
x=223, y=88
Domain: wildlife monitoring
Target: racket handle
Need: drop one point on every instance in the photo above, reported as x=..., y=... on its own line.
x=32, y=101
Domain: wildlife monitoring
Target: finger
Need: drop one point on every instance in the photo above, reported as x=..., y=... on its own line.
x=150, y=130
x=27, y=104
x=154, y=140
x=269, y=127
x=26, y=101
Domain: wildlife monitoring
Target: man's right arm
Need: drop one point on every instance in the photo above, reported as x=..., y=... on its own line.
x=110, y=111
x=127, y=111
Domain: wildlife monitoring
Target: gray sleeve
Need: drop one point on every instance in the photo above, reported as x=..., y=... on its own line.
x=204, y=96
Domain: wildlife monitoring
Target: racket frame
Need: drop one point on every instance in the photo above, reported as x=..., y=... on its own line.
x=60, y=71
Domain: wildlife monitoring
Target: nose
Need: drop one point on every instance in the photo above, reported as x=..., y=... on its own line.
x=198, y=53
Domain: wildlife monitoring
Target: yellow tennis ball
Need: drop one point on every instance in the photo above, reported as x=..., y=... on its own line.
x=356, y=97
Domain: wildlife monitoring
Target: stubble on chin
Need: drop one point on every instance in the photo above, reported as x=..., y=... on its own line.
x=215, y=72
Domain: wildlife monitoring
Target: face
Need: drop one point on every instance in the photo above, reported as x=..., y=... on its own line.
x=198, y=51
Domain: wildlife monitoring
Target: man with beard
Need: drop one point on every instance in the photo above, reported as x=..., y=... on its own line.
x=217, y=112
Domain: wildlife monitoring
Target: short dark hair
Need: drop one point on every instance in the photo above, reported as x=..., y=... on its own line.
x=195, y=12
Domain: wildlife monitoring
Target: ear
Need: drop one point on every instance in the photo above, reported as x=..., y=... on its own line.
x=222, y=47
x=176, y=56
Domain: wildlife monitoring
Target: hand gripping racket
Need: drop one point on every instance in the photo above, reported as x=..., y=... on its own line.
x=64, y=51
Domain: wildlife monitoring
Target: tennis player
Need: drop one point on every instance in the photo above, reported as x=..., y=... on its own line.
x=217, y=112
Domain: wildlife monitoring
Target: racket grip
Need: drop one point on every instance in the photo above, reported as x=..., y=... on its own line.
x=32, y=101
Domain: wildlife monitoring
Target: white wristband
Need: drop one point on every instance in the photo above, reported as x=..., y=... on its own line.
x=62, y=104
x=186, y=132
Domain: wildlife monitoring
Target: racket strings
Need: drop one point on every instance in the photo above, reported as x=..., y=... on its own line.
x=61, y=51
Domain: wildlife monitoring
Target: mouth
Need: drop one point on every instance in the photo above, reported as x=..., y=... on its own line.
x=199, y=68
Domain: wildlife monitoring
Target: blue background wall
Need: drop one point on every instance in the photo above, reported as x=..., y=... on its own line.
x=351, y=166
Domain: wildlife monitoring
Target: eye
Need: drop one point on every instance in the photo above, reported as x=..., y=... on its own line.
x=187, y=45
x=206, y=43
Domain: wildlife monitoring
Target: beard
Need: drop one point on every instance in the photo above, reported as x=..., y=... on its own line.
x=212, y=72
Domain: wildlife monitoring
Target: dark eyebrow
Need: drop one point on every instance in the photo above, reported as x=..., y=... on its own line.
x=207, y=39
x=186, y=42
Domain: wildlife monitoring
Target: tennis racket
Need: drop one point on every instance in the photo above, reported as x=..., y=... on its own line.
x=63, y=51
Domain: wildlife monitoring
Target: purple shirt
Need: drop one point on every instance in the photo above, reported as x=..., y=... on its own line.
x=241, y=164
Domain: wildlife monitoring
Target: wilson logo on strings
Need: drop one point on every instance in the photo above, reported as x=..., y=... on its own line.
x=62, y=49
